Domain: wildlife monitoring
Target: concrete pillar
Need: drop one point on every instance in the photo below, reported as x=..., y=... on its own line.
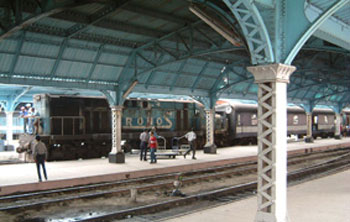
x=9, y=127
x=309, y=138
x=116, y=155
x=338, y=119
x=272, y=141
x=210, y=147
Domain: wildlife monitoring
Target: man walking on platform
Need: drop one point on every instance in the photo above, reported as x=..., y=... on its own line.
x=143, y=145
x=191, y=136
x=40, y=155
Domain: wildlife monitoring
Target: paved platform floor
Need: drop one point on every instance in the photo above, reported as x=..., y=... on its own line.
x=325, y=199
x=23, y=177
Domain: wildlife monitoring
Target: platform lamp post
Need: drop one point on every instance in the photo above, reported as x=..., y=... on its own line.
x=272, y=80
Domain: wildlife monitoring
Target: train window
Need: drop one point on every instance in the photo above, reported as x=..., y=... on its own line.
x=238, y=119
x=326, y=119
x=315, y=119
x=254, y=120
x=295, y=120
x=144, y=104
x=133, y=103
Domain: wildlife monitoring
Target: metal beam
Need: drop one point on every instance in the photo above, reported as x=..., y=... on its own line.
x=59, y=57
x=316, y=24
x=32, y=80
x=97, y=57
x=199, y=76
x=40, y=13
x=17, y=53
x=175, y=77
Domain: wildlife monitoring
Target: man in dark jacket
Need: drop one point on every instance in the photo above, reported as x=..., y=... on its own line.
x=40, y=155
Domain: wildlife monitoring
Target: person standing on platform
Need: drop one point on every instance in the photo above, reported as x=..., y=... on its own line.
x=154, y=130
x=31, y=119
x=23, y=114
x=143, y=145
x=191, y=136
x=40, y=155
x=153, y=144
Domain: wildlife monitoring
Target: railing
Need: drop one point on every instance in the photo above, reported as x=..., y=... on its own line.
x=67, y=125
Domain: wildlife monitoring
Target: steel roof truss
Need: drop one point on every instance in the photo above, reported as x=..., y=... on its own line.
x=175, y=77
x=97, y=57
x=199, y=76
x=59, y=57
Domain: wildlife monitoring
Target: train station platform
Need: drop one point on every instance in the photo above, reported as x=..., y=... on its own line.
x=22, y=177
x=322, y=200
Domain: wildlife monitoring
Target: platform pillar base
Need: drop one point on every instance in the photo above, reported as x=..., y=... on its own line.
x=116, y=157
x=337, y=137
x=210, y=149
x=309, y=139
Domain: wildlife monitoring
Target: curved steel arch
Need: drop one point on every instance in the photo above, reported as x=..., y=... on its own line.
x=319, y=21
x=255, y=32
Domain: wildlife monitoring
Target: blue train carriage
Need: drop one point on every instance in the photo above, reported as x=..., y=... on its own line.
x=80, y=127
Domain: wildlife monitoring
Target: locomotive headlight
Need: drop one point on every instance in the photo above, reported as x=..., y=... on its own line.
x=228, y=110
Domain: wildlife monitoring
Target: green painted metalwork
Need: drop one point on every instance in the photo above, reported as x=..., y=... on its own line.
x=42, y=9
x=254, y=30
x=329, y=12
x=157, y=45
x=97, y=57
x=17, y=53
x=199, y=76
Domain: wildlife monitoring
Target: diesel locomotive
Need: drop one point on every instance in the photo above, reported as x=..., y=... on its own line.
x=80, y=127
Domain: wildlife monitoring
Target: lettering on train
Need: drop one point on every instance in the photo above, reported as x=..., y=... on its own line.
x=139, y=123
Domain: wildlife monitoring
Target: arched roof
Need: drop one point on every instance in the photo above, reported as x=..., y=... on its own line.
x=108, y=45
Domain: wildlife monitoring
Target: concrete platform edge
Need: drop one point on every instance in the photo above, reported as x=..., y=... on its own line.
x=48, y=185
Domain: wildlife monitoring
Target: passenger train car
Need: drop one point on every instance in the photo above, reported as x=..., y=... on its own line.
x=237, y=123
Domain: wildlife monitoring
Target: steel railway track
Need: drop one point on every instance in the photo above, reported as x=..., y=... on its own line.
x=22, y=202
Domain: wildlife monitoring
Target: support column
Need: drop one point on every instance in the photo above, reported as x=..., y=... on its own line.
x=209, y=146
x=309, y=138
x=272, y=141
x=337, y=133
x=116, y=155
x=9, y=127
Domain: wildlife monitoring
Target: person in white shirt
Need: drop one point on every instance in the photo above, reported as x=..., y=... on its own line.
x=191, y=137
x=143, y=145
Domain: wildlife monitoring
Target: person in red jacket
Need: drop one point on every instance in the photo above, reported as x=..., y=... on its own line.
x=153, y=147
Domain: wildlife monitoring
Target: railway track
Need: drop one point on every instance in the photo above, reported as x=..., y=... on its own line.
x=157, y=189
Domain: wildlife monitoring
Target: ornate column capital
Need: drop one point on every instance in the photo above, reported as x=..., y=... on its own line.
x=117, y=108
x=272, y=72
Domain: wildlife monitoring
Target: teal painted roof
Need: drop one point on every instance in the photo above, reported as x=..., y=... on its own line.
x=89, y=46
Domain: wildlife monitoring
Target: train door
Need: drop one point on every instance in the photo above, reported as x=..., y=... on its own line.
x=315, y=123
